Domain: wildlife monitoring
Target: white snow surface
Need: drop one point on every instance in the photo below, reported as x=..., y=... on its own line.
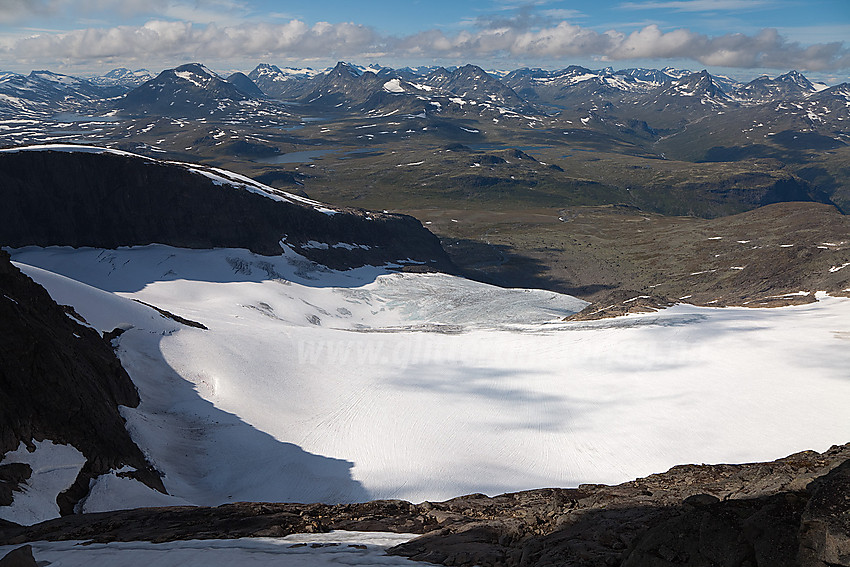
x=319, y=385
x=321, y=550
x=393, y=86
x=112, y=492
x=54, y=469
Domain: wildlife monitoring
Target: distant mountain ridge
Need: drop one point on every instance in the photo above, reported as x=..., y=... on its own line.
x=194, y=89
x=191, y=89
x=123, y=77
x=48, y=91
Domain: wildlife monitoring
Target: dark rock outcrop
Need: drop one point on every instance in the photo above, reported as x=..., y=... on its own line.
x=20, y=557
x=12, y=476
x=720, y=515
x=621, y=302
x=60, y=380
x=245, y=84
x=825, y=523
x=792, y=511
x=107, y=200
x=475, y=83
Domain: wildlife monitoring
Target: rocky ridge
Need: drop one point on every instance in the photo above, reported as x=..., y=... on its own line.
x=792, y=511
x=108, y=199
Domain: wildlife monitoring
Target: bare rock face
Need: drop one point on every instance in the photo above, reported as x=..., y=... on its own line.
x=825, y=523
x=789, y=512
x=12, y=476
x=60, y=380
x=20, y=557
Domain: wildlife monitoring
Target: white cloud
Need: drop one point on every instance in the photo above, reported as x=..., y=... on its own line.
x=159, y=38
x=766, y=49
x=295, y=39
x=564, y=40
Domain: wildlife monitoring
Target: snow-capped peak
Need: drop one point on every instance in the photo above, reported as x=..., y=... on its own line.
x=346, y=68
x=197, y=74
x=798, y=79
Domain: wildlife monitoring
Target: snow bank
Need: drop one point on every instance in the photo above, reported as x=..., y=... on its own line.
x=54, y=469
x=331, y=549
x=112, y=492
x=393, y=86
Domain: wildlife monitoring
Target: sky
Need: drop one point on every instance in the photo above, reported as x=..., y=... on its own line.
x=738, y=38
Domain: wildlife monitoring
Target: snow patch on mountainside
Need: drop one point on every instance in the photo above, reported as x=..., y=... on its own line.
x=336, y=548
x=393, y=86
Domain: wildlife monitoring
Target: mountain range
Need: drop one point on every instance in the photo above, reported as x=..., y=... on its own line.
x=515, y=89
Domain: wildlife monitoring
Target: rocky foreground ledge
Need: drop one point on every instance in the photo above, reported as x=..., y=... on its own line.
x=793, y=511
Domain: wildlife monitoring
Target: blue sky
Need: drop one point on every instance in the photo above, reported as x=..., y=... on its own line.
x=742, y=38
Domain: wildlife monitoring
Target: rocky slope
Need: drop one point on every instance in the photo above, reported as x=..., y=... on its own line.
x=792, y=511
x=109, y=199
x=622, y=259
x=59, y=380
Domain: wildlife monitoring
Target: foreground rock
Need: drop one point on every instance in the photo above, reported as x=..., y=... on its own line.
x=60, y=381
x=20, y=557
x=793, y=511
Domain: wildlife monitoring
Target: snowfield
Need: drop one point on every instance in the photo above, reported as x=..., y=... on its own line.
x=297, y=550
x=318, y=385
x=54, y=469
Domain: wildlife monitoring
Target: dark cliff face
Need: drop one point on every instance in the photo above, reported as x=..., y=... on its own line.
x=60, y=380
x=108, y=200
